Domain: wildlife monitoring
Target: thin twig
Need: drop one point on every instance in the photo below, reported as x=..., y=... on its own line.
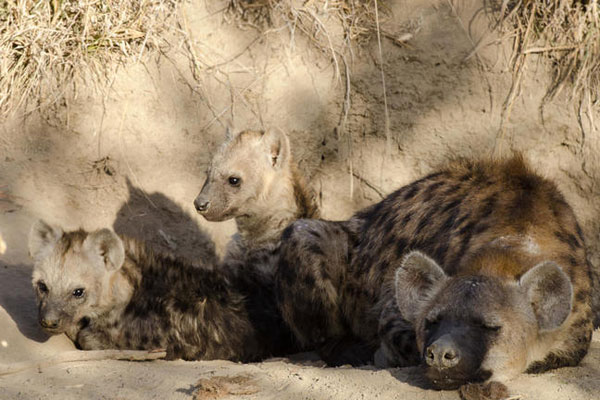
x=374, y=188
x=77, y=356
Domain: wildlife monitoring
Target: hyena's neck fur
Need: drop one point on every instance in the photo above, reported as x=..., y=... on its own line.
x=285, y=200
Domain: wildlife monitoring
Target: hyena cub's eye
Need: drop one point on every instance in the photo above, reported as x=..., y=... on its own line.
x=235, y=181
x=42, y=287
x=78, y=292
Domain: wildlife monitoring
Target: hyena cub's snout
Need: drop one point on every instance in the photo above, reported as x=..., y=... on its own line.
x=50, y=322
x=202, y=203
x=215, y=200
x=49, y=318
x=56, y=316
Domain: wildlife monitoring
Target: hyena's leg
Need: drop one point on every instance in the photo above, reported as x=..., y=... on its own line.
x=572, y=351
x=314, y=259
x=398, y=344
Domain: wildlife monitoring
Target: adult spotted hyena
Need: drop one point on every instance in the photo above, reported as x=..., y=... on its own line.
x=108, y=292
x=254, y=179
x=510, y=257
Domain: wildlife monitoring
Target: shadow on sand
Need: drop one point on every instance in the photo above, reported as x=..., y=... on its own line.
x=18, y=299
x=164, y=225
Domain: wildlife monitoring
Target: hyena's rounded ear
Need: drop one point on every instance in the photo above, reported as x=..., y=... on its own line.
x=277, y=146
x=550, y=292
x=415, y=280
x=107, y=245
x=42, y=239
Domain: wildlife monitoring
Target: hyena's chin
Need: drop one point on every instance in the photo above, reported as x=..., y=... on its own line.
x=53, y=331
x=445, y=379
x=218, y=216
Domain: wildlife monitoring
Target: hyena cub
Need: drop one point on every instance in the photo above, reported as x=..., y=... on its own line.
x=254, y=179
x=106, y=292
x=500, y=283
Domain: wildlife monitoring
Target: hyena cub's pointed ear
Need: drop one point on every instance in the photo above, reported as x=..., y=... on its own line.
x=106, y=244
x=277, y=145
x=42, y=239
x=550, y=293
x=415, y=279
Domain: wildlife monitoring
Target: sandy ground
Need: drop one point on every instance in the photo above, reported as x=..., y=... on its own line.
x=134, y=157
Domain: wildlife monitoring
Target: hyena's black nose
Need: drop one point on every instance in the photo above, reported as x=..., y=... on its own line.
x=49, y=323
x=442, y=354
x=201, y=204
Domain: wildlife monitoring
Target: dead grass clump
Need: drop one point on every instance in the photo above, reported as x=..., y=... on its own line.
x=566, y=31
x=47, y=46
x=357, y=18
x=332, y=26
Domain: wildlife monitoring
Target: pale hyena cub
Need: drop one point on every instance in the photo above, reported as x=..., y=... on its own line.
x=106, y=292
x=254, y=179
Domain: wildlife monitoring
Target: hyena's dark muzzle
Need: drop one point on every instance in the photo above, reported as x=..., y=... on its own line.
x=453, y=356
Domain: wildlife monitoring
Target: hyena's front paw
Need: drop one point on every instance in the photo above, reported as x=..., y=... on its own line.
x=483, y=391
x=174, y=352
x=88, y=340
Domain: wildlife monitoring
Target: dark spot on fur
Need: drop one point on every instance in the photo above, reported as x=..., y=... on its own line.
x=406, y=219
x=451, y=205
x=580, y=323
x=287, y=233
x=308, y=280
x=439, y=253
x=288, y=273
x=411, y=192
x=383, y=266
x=569, y=239
x=389, y=226
x=426, y=219
x=467, y=229
x=316, y=249
x=314, y=233
x=423, y=222
x=489, y=206
x=462, y=219
x=429, y=192
x=582, y=296
x=401, y=244
x=480, y=228
x=579, y=231
x=572, y=261
x=452, y=189
x=553, y=361
x=449, y=222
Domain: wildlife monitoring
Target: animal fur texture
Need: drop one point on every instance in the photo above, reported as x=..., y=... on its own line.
x=108, y=292
x=499, y=256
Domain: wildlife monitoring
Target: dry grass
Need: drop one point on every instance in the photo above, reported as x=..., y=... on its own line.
x=334, y=27
x=47, y=47
x=567, y=32
x=356, y=18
